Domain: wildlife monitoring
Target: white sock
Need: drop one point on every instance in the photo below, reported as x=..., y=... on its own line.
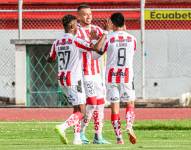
x=98, y=120
x=89, y=113
x=71, y=121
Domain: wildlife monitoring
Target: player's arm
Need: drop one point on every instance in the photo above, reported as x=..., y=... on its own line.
x=83, y=45
x=100, y=44
x=52, y=55
x=135, y=44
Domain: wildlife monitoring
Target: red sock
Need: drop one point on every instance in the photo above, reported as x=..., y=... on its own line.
x=115, y=120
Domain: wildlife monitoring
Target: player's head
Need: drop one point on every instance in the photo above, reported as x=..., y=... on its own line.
x=69, y=23
x=118, y=20
x=84, y=15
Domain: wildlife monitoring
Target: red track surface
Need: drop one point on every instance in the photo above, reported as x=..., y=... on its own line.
x=53, y=114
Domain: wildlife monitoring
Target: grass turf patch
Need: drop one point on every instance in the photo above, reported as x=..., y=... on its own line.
x=165, y=135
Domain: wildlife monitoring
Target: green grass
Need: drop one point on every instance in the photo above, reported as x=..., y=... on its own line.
x=152, y=135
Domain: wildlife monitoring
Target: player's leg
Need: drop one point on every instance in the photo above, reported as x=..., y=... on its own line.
x=115, y=120
x=130, y=117
x=113, y=97
x=90, y=105
x=98, y=122
x=77, y=126
x=81, y=101
x=71, y=121
x=73, y=97
x=128, y=96
x=98, y=115
x=85, y=122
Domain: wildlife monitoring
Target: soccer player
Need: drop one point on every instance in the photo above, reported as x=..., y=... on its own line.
x=120, y=48
x=92, y=78
x=68, y=49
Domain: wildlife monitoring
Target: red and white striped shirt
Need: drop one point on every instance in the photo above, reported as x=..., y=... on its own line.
x=68, y=49
x=90, y=66
x=120, y=47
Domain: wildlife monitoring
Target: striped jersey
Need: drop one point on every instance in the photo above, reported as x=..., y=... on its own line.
x=120, y=47
x=68, y=51
x=90, y=66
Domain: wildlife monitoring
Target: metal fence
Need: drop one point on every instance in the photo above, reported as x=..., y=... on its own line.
x=164, y=65
x=7, y=58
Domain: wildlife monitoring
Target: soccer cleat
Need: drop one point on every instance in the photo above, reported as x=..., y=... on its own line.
x=61, y=135
x=100, y=140
x=132, y=136
x=83, y=138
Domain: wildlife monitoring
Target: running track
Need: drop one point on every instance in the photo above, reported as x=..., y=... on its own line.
x=58, y=114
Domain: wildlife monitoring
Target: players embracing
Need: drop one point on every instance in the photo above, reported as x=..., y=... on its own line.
x=120, y=47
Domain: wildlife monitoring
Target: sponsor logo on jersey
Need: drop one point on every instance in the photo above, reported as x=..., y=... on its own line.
x=71, y=98
x=114, y=98
x=123, y=74
x=125, y=96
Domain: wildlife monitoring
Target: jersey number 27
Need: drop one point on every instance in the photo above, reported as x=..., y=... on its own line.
x=64, y=58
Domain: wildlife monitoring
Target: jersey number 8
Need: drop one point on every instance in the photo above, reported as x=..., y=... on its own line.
x=121, y=56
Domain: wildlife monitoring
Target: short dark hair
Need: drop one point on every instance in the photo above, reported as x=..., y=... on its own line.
x=83, y=6
x=118, y=19
x=66, y=20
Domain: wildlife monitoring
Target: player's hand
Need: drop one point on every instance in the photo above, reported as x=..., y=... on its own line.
x=109, y=25
x=49, y=59
x=93, y=35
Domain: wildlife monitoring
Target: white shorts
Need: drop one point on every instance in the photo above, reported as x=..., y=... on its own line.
x=117, y=92
x=94, y=90
x=75, y=93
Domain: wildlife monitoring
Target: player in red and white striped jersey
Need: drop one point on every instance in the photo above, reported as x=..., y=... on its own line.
x=92, y=78
x=68, y=51
x=120, y=48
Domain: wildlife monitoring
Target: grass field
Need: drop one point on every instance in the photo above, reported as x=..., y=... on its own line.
x=152, y=135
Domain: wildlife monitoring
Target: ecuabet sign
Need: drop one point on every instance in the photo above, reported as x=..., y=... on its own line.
x=167, y=14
